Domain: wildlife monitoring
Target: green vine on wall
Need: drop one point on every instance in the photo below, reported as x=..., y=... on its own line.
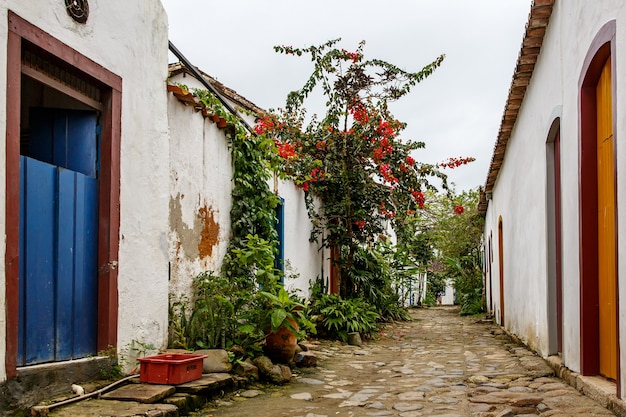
x=225, y=310
x=254, y=241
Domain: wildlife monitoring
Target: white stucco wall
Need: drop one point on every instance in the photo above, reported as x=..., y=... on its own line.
x=130, y=40
x=519, y=195
x=200, y=196
x=304, y=260
x=201, y=172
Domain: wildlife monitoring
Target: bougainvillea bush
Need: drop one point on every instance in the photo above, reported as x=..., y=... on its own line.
x=352, y=158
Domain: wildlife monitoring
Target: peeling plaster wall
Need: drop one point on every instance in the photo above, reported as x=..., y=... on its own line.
x=130, y=40
x=200, y=203
x=199, y=196
x=519, y=194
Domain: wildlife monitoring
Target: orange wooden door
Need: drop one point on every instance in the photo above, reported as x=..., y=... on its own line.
x=606, y=227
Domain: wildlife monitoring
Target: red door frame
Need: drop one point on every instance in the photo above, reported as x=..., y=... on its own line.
x=602, y=47
x=109, y=216
x=501, y=268
x=558, y=255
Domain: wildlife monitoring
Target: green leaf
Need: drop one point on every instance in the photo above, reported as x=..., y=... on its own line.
x=278, y=316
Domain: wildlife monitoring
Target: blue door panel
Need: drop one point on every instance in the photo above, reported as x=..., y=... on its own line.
x=40, y=259
x=65, y=265
x=21, y=287
x=41, y=133
x=58, y=297
x=65, y=138
x=86, y=244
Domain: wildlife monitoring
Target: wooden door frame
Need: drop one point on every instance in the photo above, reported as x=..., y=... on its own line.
x=554, y=259
x=109, y=214
x=602, y=48
x=501, y=267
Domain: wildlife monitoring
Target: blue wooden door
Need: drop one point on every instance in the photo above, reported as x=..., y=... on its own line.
x=58, y=237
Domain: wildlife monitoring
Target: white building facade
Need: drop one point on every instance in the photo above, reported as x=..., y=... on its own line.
x=554, y=231
x=92, y=201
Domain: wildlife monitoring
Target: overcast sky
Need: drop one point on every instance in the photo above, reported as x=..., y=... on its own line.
x=456, y=111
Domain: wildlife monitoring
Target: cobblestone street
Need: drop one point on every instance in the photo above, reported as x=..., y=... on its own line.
x=440, y=364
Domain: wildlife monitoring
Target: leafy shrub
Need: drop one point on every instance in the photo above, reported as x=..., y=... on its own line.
x=217, y=318
x=337, y=317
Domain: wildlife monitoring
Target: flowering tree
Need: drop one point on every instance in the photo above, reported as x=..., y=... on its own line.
x=352, y=159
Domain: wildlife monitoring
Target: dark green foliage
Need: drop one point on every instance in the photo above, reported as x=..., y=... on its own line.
x=336, y=317
x=372, y=276
x=217, y=317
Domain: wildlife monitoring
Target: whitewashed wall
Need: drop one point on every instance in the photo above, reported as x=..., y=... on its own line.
x=519, y=194
x=130, y=40
x=304, y=260
x=200, y=196
x=200, y=183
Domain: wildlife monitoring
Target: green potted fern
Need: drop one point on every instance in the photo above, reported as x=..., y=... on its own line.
x=282, y=321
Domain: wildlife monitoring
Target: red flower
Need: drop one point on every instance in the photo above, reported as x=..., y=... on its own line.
x=385, y=171
x=315, y=174
x=353, y=56
x=264, y=125
x=459, y=210
x=360, y=224
x=359, y=112
x=286, y=150
x=321, y=144
x=456, y=162
x=418, y=196
x=410, y=161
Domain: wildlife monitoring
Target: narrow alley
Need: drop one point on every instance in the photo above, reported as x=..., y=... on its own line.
x=440, y=364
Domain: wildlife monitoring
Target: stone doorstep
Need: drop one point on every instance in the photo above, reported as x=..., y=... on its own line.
x=206, y=384
x=141, y=393
x=142, y=398
x=113, y=408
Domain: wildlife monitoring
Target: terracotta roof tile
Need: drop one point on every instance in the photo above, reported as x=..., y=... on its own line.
x=538, y=20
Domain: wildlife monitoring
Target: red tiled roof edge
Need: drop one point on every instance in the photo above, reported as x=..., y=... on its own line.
x=538, y=20
x=177, y=68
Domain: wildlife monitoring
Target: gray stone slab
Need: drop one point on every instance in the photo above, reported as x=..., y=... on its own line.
x=141, y=393
x=208, y=382
x=112, y=408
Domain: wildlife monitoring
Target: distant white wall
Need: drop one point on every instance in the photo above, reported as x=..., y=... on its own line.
x=448, y=296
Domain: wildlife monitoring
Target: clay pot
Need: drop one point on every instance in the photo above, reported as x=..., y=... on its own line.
x=280, y=346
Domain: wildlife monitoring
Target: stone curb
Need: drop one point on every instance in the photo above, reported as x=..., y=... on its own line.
x=595, y=388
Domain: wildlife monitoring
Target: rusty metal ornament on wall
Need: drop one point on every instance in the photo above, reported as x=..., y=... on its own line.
x=77, y=9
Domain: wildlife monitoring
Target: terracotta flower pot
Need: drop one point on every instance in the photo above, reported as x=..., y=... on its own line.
x=280, y=346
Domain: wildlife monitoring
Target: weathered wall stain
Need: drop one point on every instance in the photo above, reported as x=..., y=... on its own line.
x=197, y=241
x=210, y=231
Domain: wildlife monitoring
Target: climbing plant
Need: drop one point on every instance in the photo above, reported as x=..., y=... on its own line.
x=249, y=261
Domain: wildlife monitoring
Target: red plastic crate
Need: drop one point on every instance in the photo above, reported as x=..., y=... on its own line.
x=171, y=368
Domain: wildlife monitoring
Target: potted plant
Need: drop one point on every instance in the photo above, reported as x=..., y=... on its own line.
x=282, y=320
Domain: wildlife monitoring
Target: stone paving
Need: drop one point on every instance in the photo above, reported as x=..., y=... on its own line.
x=441, y=364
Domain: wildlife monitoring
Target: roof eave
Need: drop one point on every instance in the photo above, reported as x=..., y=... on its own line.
x=538, y=20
